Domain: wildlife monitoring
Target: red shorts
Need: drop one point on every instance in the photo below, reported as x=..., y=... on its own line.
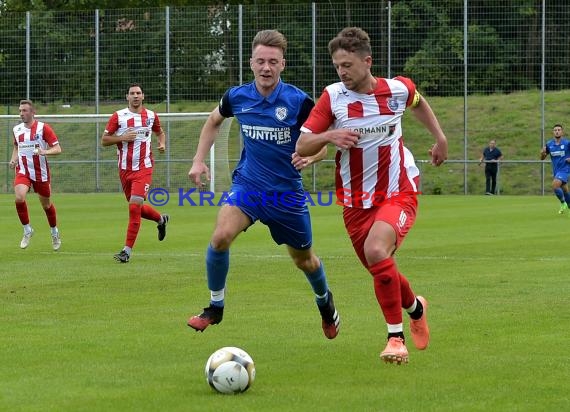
x=41, y=188
x=400, y=212
x=135, y=183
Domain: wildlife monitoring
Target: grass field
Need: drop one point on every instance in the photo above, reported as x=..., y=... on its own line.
x=80, y=332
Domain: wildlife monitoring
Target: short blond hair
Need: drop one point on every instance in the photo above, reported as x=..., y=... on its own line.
x=269, y=38
x=28, y=102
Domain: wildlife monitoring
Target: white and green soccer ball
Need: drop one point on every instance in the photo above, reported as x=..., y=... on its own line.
x=230, y=370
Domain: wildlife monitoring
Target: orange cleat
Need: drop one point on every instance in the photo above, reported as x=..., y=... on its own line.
x=419, y=328
x=395, y=352
x=212, y=315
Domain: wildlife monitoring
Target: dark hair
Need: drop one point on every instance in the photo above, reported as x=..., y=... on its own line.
x=353, y=40
x=558, y=125
x=270, y=38
x=134, y=85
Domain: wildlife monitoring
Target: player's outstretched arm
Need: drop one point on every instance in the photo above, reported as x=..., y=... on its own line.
x=208, y=136
x=309, y=144
x=300, y=162
x=161, y=137
x=426, y=116
x=14, y=157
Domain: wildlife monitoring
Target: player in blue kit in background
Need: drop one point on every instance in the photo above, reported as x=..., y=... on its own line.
x=559, y=150
x=266, y=183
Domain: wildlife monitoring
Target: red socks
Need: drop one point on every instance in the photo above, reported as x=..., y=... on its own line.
x=22, y=209
x=51, y=216
x=136, y=212
x=148, y=213
x=134, y=224
x=392, y=290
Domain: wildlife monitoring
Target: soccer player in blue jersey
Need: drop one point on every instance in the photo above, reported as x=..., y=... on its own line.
x=266, y=184
x=491, y=155
x=559, y=150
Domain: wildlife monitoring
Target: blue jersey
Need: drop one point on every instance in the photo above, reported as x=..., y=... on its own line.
x=558, y=155
x=269, y=127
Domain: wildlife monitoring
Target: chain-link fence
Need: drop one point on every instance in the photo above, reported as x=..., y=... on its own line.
x=185, y=57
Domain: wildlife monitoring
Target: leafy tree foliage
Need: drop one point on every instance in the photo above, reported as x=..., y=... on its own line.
x=427, y=44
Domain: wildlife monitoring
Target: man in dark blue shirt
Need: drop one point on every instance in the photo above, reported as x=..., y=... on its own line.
x=266, y=184
x=491, y=156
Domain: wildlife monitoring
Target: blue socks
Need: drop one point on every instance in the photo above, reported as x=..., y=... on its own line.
x=318, y=281
x=217, y=266
x=559, y=194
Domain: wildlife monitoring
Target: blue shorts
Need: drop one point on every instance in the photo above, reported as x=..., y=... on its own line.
x=562, y=176
x=285, y=214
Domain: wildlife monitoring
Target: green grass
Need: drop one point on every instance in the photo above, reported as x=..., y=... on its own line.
x=82, y=333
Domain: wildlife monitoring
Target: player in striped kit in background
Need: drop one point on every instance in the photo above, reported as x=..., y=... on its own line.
x=33, y=141
x=376, y=177
x=130, y=129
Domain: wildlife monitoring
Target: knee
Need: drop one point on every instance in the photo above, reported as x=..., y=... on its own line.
x=221, y=240
x=136, y=200
x=375, y=253
x=307, y=263
x=46, y=203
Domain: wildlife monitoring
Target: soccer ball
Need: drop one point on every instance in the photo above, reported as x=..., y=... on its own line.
x=230, y=370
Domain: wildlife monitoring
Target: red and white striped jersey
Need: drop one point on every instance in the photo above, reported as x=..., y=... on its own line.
x=40, y=135
x=135, y=155
x=379, y=166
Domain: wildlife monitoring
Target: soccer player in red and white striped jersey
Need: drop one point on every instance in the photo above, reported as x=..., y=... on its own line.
x=33, y=141
x=130, y=129
x=376, y=177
